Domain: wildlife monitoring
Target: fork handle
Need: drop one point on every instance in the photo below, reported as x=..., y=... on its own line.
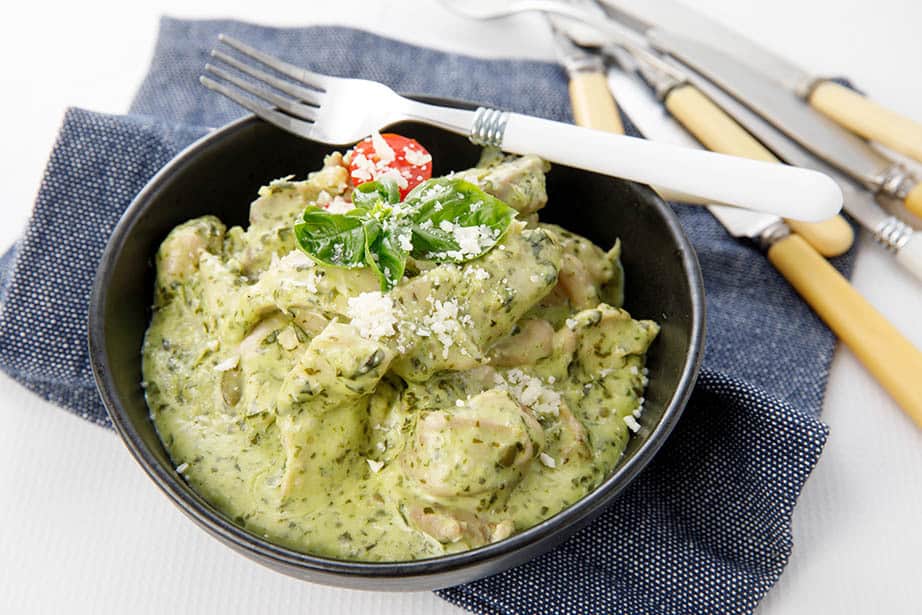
x=782, y=190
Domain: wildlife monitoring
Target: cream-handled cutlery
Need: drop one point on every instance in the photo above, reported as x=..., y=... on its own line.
x=772, y=100
x=899, y=238
x=796, y=119
x=699, y=115
x=593, y=105
x=885, y=352
x=587, y=24
x=341, y=111
x=843, y=105
x=591, y=100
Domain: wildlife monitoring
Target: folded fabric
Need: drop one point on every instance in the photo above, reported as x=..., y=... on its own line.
x=706, y=528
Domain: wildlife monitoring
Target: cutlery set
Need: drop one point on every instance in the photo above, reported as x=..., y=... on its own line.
x=753, y=110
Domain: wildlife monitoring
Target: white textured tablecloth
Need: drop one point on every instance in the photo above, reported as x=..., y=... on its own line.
x=82, y=528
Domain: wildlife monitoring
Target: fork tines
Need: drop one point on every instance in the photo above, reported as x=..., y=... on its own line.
x=301, y=104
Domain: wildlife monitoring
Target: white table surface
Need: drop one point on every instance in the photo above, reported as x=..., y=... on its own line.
x=83, y=529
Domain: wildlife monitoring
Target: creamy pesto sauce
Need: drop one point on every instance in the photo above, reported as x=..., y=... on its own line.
x=498, y=394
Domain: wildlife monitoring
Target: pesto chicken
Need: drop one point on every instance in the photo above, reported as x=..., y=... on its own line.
x=414, y=401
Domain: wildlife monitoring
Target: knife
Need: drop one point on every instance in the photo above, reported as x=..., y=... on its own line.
x=892, y=359
x=789, y=114
x=843, y=105
x=830, y=237
x=592, y=101
x=794, y=118
x=892, y=233
x=719, y=132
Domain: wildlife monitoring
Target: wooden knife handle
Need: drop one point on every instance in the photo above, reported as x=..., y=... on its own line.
x=887, y=355
x=868, y=118
x=719, y=132
x=913, y=201
x=593, y=105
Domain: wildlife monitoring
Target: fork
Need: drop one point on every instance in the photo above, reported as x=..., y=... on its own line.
x=341, y=111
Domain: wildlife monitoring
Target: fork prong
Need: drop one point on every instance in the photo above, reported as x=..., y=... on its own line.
x=288, y=105
x=312, y=79
x=285, y=122
x=312, y=97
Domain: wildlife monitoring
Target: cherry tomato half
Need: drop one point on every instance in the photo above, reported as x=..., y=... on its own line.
x=400, y=157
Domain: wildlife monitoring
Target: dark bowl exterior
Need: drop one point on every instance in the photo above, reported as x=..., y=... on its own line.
x=221, y=173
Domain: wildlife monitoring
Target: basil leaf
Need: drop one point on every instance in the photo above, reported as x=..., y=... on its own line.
x=384, y=190
x=454, y=220
x=384, y=254
x=334, y=239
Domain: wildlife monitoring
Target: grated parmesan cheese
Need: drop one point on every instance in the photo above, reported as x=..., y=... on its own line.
x=547, y=460
x=632, y=423
x=416, y=157
x=375, y=465
x=372, y=313
x=182, y=468
x=442, y=322
x=384, y=151
x=339, y=205
x=530, y=392
x=480, y=274
x=227, y=364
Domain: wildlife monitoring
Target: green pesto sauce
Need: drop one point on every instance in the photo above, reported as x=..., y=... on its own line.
x=491, y=396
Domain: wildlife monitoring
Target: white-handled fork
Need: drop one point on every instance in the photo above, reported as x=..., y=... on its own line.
x=342, y=111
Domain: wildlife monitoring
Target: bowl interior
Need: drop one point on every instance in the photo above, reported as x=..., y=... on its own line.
x=221, y=175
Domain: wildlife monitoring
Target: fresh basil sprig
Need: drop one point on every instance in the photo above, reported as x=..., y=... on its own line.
x=442, y=220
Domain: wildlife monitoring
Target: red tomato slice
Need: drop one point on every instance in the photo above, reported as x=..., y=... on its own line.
x=403, y=158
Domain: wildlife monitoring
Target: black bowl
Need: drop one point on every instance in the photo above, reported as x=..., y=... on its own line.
x=221, y=173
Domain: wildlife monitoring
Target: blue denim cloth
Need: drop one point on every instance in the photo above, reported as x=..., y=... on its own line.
x=704, y=529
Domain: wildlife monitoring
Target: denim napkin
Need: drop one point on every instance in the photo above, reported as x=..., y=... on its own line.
x=704, y=529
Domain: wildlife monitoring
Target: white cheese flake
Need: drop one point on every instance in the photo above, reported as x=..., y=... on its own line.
x=384, y=151
x=372, y=313
x=416, y=157
x=632, y=423
x=339, y=205
x=443, y=322
x=182, y=468
x=227, y=364
x=571, y=324
x=375, y=465
x=530, y=392
x=547, y=460
x=472, y=240
x=480, y=273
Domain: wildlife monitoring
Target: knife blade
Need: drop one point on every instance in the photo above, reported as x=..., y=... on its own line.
x=795, y=119
x=896, y=236
x=846, y=107
x=697, y=113
x=891, y=358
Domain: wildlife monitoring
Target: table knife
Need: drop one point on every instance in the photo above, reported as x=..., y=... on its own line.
x=717, y=131
x=892, y=359
x=843, y=105
x=794, y=118
x=892, y=233
x=590, y=97
x=830, y=237
x=589, y=90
